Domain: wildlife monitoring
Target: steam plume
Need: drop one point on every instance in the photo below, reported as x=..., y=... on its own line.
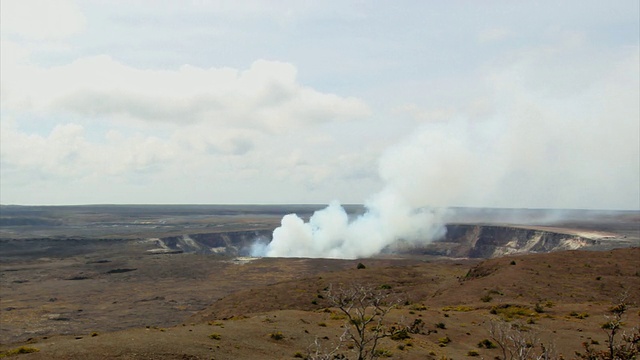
x=330, y=233
x=546, y=141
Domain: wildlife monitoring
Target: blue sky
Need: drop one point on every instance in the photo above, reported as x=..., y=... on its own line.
x=457, y=103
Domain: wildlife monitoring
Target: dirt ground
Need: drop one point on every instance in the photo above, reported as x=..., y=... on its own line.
x=108, y=297
x=574, y=289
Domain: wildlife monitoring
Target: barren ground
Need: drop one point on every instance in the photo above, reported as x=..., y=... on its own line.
x=102, y=295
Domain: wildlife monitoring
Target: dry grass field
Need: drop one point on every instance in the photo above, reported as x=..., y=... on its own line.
x=111, y=298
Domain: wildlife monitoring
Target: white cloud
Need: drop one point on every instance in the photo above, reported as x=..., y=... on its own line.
x=120, y=122
x=102, y=100
x=41, y=19
x=267, y=95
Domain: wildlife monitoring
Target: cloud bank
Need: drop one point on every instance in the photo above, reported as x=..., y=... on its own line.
x=266, y=96
x=204, y=102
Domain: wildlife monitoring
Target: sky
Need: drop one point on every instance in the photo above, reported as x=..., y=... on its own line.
x=527, y=104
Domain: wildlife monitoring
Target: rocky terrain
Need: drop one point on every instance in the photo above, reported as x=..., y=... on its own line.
x=155, y=283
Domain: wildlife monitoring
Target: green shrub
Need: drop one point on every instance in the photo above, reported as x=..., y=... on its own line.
x=215, y=336
x=538, y=308
x=441, y=325
x=361, y=266
x=298, y=355
x=385, y=287
x=486, y=298
x=460, y=308
x=401, y=335
x=487, y=344
x=276, y=335
x=17, y=351
x=337, y=316
x=473, y=353
x=577, y=315
x=382, y=353
x=509, y=312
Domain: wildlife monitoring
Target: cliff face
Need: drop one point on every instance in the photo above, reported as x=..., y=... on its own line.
x=461, y=240
x=227, y=243
x=487, y=241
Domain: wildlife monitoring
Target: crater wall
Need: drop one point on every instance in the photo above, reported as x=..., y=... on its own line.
x=461, y=240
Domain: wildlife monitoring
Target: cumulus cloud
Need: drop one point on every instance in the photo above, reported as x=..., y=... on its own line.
x=54, y=153
x=102, y=118
x=94, y=109
x=266, y=96
x=65, y=152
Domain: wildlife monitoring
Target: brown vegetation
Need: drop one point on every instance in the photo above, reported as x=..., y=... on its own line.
x=279, y=319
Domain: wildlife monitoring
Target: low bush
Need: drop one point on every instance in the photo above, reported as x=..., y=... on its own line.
x=276, y=335
x=509, y=312
x=400, y=335
x=487, y=344
x=382, y=353
x=460, y=308
x=337, y=316
x=17, y=351
x=443, y=341
x=577, y=315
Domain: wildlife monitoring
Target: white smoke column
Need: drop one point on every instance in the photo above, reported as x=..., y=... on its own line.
x=330, y=234
x=561, y=132
x=427, y=163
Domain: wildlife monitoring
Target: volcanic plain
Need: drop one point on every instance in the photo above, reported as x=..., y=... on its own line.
x=178, y=282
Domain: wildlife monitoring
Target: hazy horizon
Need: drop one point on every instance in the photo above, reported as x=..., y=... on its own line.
x=319, y=206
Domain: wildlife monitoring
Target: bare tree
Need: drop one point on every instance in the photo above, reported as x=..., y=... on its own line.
x=317, y=352
x=626, y=349
x=517, y=342
x=365, y=308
